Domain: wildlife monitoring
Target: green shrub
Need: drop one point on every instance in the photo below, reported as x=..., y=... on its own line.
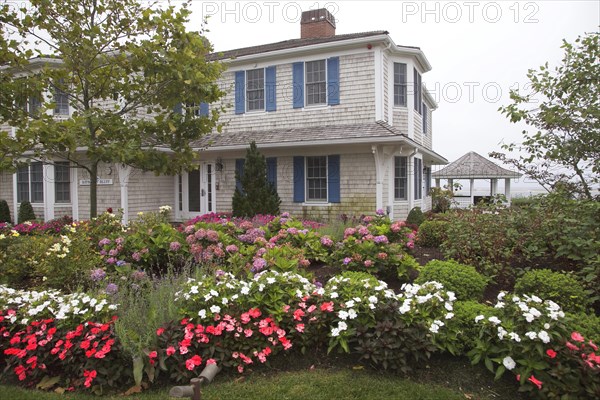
x=415, y=216
x=586, y=323
x=408, y=264
x=26, y=212
x=432, y=233
x=462, y=331
x=463, y=280
x=4, y=212
x=22, y=258
x=561, y=288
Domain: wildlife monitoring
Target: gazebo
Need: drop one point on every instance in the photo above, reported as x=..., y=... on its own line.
x=473, y=166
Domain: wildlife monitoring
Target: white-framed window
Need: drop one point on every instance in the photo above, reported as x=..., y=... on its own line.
x=400, y=84
x=316, y=82
x=62, y=182
x=418, y=91
x=316, y=178
x=418, y=176
x=425, y=118
x=255, y=89
x=400, y=178
x=30, y=183
x=61, y=101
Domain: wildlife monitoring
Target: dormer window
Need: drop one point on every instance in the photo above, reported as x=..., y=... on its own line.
x=400, y=84
x=418, y=91
x=61, y=102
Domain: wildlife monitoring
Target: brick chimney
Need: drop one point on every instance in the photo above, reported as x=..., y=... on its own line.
x=317, y=24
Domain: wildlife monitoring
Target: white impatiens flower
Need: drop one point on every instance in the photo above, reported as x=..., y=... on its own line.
x=215, y=309
x=342, y=326
x=509, y=363
x=448, y=306
x=334, y=295
x=536, y=299
x=435, y=326
x=405, y=307
x=351, y=313
x=335, y=332
x=531, y=335
x=499, y=304
x=501, y=332
x=451, y=295
x=449, y=315
x=501, y=295
x=202, y=314
x=343, y=315
x=373, y=299
x=529, y=317
x=350, y=304
x=479, y=318
x=544, y=337
x=514, y=336
x=245, y=290
x=493, y=320
x=546, y=326
x=194, y=289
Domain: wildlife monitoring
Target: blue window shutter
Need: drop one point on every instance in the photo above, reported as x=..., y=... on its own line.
x=272, y=171
x=298, y=83
x=239, y=171
x=333, y=178
x=203, y=110
x=178, y=109
x=240, y=92
x=298, y=179
x=333, y=81
x=270, y=93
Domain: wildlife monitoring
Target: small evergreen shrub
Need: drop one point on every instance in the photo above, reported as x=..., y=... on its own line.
x=26, y=212
x=461, y=279
x=586, y=323
x=257, y=195
x=415, y=216
x=432, y=233
x=562, y=288
x=4, y=212
x=463, y=331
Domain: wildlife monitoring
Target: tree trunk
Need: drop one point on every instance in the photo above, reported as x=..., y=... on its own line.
x=94, y=190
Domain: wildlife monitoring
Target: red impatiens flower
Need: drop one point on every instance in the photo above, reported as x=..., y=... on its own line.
x=327, y=306
x=571, y=346
x=576, y=336
x=193, y=362
x=535, y=381
x=160, y=331
x=153, y=354
x=551, y=353
x=170, y=350
x=89, y=377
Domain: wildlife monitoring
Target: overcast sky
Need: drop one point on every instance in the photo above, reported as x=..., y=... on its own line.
x=479, y=50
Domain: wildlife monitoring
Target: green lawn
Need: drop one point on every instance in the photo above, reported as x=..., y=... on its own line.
x=445, y=378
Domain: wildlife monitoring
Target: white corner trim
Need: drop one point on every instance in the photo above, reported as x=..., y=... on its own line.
x=378, y=55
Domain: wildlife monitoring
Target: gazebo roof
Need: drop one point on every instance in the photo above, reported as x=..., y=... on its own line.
x=474, y=166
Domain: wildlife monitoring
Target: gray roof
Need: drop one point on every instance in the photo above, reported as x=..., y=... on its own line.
x=293, y=43
x=377, y=132
x=473, y=165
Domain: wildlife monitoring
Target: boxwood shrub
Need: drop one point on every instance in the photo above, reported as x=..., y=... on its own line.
x=432, y=233
x=560, y=287
x=463, y=280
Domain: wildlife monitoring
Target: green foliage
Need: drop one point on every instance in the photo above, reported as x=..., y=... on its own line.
x=463, y=280
x=585, y=322
x=461, y=330
x=441, y=199
x=432, y=233
x=415, y=216
x=408, y=264
x=559, y=287
x=25, y=212
x=20, y=256
x=4, y=212
x=154, y=65
x=394, y=343
x=257, y=195
x=563, y=106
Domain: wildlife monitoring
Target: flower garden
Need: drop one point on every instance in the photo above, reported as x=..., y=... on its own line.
x=101, y=307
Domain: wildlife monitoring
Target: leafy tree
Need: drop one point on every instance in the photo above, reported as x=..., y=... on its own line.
x=564, y=107
x=125, y=68
x=257, y=194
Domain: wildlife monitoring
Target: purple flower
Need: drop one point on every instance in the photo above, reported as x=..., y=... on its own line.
x=380, y=212
x=104, y=242
x=174, y=246
x=326, y=241
x=119, y=240
x=258, y=264
x=111, y=260
x=138, y=275
x=363, y=231
x=212, y=236
x=97, y=274
x=136, y=256
x=120, y=263
x=219, y=273
x=347, y=260
x=232, y=248
x=292, y=231
x=381, y=239
x=285, y=215
x=113, y=252
x=111, y=288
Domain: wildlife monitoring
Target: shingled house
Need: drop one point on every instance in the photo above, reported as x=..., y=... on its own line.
x=344, y=121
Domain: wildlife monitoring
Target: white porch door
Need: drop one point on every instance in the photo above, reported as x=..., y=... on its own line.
x=198, y=194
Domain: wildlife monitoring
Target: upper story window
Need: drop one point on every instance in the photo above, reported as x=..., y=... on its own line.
x=418, y=91
x=61, y=102
x=316, y=83
x=400, y=84
x=400, y=178
x=425, y=118
x=30, y=183
x=255, y=89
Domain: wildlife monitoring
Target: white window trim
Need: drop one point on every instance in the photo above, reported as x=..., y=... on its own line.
x=317, y=105
x=307, y=201
x=405, y=106
x=264, y=108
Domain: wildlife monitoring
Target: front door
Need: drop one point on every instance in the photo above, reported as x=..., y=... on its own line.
x=198, y=191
